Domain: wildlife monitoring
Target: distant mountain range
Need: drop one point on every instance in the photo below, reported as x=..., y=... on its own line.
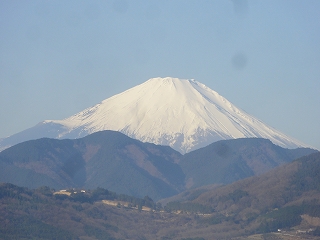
x=184, y=114
x=111, y=160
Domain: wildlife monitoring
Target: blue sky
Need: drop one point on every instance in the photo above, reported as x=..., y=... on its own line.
x=59, y=57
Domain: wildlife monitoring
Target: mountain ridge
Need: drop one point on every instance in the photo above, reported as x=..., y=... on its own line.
x=109, y=159
x=235, y=159
x=112, y=160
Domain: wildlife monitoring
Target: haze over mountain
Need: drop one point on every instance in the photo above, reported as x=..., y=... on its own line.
x=106, y=159
x=184, y=114
x=112, y=160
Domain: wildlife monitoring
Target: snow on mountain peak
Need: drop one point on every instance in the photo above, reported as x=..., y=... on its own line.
x=182, y=113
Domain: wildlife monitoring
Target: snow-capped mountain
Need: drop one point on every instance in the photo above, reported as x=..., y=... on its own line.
x=184, y=114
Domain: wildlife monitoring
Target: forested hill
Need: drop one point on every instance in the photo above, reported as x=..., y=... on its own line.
x=231, y=160
x=285, y=197
x=116, y=162
x=105, y=159
x=45, y=214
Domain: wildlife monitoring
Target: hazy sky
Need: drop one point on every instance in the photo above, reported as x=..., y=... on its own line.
x=60, y=57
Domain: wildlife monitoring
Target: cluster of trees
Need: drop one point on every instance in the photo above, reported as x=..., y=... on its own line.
x=288, y=217
x=235, y=196
x=13, y=191
x=16, y=223
x=308, y=175
x=22, y=226
x=280, y=219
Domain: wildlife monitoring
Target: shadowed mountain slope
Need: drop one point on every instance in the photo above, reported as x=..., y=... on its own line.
x=114, y=161
x=231, y=160
x=281, y=198
x=104, y=159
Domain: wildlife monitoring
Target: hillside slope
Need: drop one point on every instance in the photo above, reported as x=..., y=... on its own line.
x=284, y=197
x=227, y=161
x=112, y=160
x=104, y=159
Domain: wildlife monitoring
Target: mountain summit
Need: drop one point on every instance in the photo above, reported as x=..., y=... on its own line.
x=184, y=114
